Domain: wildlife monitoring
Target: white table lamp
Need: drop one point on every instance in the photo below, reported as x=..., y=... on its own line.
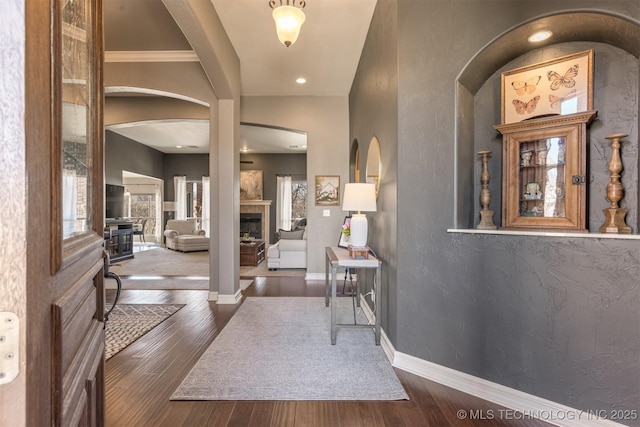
x=359, y=197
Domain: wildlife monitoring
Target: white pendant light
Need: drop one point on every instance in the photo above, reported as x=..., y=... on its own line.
x=289, y=19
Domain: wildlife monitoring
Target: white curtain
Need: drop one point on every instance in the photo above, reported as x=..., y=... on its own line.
x=283, y=203
x=69, y=201
x=159, y=211
x=206, y=201
x=180, y=189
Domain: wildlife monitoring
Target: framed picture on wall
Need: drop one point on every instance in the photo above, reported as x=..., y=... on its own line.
x=251, y=185
x=327, y=190
x=559, y=86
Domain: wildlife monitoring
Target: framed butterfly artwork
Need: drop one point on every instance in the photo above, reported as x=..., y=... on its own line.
x=558, y=86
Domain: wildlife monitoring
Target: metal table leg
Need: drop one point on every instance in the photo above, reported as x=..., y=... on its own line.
x=377, y=303
x=334, y=272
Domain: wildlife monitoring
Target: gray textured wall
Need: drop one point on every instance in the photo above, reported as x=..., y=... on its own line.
x=373, y=112
x=193, y=166
x=554, y=317
x=124, y=154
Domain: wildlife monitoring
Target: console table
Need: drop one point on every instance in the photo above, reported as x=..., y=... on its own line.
x=339, y=257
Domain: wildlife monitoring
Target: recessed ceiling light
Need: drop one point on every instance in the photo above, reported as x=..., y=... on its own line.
x=540, y=36
x=301, y=80
x=178, y=146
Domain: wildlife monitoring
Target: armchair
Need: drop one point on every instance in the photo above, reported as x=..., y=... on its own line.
x=182, y=235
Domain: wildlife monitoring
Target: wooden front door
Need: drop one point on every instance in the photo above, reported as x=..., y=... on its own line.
x=64, y=168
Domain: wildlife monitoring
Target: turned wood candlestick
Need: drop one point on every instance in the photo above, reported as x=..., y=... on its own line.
x=614, y=216
x=486, y=215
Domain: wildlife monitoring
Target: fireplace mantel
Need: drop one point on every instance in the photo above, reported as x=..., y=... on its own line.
x=259, y=206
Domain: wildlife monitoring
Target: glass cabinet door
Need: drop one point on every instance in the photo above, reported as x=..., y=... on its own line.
x=544, y=169
x=543, y=178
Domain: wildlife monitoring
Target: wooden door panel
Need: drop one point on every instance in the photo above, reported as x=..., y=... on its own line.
x=64, y=295
x=83, y=373
x=78, y=336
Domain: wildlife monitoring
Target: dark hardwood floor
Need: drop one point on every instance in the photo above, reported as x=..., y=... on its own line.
x=141, y=378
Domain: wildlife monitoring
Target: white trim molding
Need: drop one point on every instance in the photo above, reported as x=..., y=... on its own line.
x=150, y=56
x=316, y=276
x=213, y=296
x=519, y=405
x=230, y=299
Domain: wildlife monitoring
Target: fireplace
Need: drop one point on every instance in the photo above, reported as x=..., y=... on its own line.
x=251, y=223
x=257, y=208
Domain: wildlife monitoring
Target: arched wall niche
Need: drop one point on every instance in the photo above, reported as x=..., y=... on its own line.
x=573, y=31
x=374, y=164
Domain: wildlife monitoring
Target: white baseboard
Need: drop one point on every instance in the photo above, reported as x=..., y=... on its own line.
x=230, y=299
x=525, y=404
x=213, y=296
x=385, y=342
x=244, y=284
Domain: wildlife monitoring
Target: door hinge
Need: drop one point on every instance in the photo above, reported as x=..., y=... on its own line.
x=578, y=179
x=9, y=347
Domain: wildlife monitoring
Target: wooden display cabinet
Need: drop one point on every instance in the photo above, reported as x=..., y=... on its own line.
x=544, y=168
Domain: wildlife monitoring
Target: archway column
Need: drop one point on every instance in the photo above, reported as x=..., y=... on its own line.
x=224, y=162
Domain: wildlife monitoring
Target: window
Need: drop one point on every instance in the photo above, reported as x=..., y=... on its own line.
x=194, y=199
x=298, y=199
x=144, y=207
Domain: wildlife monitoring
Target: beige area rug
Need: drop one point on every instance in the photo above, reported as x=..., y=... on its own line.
x=279, y=348
x=128, y=322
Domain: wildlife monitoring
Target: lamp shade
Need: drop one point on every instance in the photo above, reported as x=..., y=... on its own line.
x=289, y=20
x=359, y=197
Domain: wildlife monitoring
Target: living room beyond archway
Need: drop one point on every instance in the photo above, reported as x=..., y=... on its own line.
x=275, y=160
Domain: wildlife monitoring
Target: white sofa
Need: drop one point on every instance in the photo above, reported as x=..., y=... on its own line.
x=182, y=235
x=289, y=252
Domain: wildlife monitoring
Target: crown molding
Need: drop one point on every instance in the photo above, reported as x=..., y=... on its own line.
x=150, y=56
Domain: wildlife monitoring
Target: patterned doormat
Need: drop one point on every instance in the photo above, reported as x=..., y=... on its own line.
x=128, y=322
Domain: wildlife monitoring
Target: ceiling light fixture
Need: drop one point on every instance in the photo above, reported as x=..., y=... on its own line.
x=301, y=80
x=289, y=18
x=540, y=36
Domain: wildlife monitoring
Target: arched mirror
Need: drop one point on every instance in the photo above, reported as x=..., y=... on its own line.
x=373, y=163
x=354, y=162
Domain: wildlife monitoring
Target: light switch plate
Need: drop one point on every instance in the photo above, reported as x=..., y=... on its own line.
x=9, y=346
x=326, y=212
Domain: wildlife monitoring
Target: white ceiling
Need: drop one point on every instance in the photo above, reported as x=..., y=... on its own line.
x=326, y=54
x=193, y=137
